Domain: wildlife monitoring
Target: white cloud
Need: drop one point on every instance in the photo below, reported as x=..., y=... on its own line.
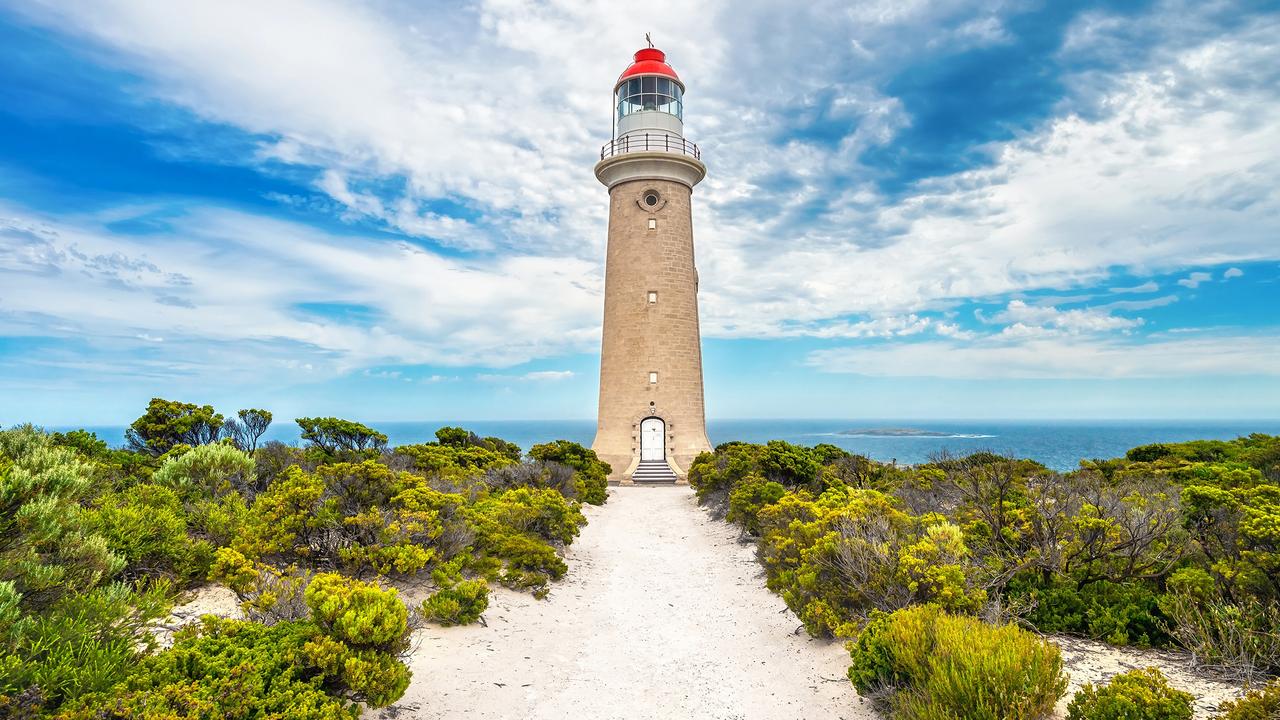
x=1147, y=287
x=1059, y=358
x=385, y=374
x=1232, y=273
x=534, y=376
x=1194, y=279
x=549, y=375
x=888, y=326
x=1024, y=319
x=1139, y=304
x=255, y=290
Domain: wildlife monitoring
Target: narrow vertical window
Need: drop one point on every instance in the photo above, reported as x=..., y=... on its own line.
x=653, y=224
x=653, y=297
x=653, y=378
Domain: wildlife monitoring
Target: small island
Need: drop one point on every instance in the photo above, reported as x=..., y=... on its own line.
x=893, y=432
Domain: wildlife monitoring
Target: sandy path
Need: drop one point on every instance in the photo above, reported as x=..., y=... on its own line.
x=663, y=615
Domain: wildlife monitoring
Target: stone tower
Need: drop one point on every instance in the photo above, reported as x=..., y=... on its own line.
x=651, y=421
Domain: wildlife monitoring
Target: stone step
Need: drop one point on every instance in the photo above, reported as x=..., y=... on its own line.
x=653, y=472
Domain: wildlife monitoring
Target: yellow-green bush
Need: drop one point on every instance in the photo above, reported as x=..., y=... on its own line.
x=267, y=594
x=355, y=516
x=838, y=557
x=292, y=670
x=230, y=669
x=935, y=666
x=543, y=513
x=1261, y=704
x=452, y=460
x=459, y=603
x=1141, y=694
x=146, y=526
x=752, y=494
x=358, y=613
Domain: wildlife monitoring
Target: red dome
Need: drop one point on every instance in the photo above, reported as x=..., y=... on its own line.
x=649, y=61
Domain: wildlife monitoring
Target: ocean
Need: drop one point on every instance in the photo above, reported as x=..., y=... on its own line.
x=1057, y=444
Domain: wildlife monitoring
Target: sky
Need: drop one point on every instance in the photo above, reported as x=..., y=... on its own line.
x=386, y=210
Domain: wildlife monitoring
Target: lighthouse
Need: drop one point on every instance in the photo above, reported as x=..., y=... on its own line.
x=651, y=422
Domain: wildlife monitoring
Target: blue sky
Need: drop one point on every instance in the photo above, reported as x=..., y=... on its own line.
x=386, y=210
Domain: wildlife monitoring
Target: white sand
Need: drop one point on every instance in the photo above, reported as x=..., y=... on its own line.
x=205, y=600
x=1087, y=661
x=663, y=614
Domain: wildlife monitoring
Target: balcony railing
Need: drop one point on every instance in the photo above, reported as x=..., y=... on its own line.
x=649, y=142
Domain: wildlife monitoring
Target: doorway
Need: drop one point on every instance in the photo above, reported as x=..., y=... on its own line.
x=653, y=444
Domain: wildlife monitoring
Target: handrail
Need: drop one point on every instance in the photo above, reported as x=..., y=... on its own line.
x=655, y=142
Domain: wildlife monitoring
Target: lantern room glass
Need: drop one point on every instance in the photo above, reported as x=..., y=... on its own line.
x=650, y=93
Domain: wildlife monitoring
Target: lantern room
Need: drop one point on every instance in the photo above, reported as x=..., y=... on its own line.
x=649, y=96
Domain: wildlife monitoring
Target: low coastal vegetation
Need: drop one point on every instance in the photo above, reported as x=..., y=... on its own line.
x=97, y=544
x=941, y=575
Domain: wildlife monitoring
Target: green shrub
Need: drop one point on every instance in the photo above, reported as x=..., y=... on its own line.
x=358, y=516
x=714, y=475
x=1121, y=614
x=931, y=663
x=789, y=464
x=526, y=563
x=836, y=558
x=226, y=669
x=592, y=472
x=461, y=437
x=515, y=530
x=358, y=613
x=287, y=518
x=220, y=521
x=82, y=643
x=453, y=461
x=544, y=513
x=368, y=675
x=267, y=594
x=1142, y=694
x=146, y=526
x=1240, y=637
x=208, y=471
x=47, y=547
x=1263, y=704
x=748, y=497
x=461, y=603
x=292, y=670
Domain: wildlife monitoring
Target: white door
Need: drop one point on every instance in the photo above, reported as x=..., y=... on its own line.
x=652, y=446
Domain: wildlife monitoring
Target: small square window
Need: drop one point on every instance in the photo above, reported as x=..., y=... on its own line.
x=653, y=297
x=653, y=378
x=653, y=224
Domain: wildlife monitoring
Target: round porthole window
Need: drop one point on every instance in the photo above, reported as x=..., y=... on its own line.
x=651, y=199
